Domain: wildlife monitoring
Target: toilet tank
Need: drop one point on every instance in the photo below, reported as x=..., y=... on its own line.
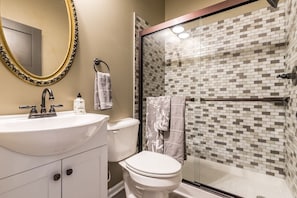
x=122, y=139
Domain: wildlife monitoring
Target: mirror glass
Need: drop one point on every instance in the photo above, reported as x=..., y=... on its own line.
x=39, y=38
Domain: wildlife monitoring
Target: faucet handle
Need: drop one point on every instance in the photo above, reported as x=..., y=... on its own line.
x=32, y=107
x=52, y=108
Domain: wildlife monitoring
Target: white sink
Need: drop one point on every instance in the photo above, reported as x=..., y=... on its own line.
x=48, y=136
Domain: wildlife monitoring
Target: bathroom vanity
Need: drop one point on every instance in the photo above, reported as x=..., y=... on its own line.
x=79, y=172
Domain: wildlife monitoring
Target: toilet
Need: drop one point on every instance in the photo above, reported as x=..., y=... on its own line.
x=146, y=174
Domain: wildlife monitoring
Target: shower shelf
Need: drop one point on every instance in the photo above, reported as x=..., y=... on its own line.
x=269, y=99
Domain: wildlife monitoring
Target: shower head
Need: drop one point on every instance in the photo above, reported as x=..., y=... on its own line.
x=273, y=3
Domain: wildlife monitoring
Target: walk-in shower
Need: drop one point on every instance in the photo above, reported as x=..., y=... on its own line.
x=237, y=123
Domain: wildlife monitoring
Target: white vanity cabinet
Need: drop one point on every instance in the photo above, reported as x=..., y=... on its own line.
x=37, y=182
x=83, y=175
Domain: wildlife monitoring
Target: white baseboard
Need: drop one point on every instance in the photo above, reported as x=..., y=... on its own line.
x=115, y=189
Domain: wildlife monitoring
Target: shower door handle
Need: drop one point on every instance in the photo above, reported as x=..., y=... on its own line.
x=287, y=76
x=292, y=76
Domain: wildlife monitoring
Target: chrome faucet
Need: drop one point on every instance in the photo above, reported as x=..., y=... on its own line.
x=51, y=97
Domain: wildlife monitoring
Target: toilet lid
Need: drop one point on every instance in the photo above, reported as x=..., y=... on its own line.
x=153, y=164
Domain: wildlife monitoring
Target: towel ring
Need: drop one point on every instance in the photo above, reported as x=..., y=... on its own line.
x=98, y=62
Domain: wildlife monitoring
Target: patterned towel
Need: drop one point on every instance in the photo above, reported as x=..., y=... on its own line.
x=157, y=121
x=102, y=92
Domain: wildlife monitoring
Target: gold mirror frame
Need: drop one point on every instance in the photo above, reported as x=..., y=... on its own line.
x=17, y=69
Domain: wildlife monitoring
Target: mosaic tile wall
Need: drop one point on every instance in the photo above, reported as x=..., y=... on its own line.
x=153, y=71
x=153, y=67
x=140, y=24
x=291, y=121
x=236, y=57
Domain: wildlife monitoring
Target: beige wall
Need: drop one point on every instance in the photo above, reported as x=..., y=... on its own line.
x=106, y=32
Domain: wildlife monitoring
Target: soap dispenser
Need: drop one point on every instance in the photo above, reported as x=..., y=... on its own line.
x=79, y=105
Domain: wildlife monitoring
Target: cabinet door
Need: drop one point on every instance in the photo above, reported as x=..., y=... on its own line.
x=36, y=183
x=85, y=175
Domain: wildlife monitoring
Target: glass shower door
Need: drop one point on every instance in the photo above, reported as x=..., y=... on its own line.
x=220, y=61
x=240, y=140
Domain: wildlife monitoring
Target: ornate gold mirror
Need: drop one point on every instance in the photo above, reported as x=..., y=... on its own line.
x=38, y=39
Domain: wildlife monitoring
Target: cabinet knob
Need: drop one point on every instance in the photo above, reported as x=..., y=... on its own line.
x=69, y=171
x=57, y=176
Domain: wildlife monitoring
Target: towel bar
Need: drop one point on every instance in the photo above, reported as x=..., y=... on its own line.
x=97, y=62
x=269, y=99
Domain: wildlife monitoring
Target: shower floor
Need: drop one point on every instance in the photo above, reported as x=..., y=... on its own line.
x=237, y=181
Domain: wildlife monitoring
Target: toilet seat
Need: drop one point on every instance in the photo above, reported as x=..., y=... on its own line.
x=153, y=164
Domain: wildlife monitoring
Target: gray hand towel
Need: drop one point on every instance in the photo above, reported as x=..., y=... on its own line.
x=102, y=92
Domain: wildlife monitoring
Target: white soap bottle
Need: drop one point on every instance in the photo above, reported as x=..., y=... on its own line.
x=79, y=105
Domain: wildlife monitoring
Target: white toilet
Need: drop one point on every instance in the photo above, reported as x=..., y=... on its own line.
x=146, y=174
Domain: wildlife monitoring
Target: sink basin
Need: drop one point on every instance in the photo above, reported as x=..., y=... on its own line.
x=48, y=136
